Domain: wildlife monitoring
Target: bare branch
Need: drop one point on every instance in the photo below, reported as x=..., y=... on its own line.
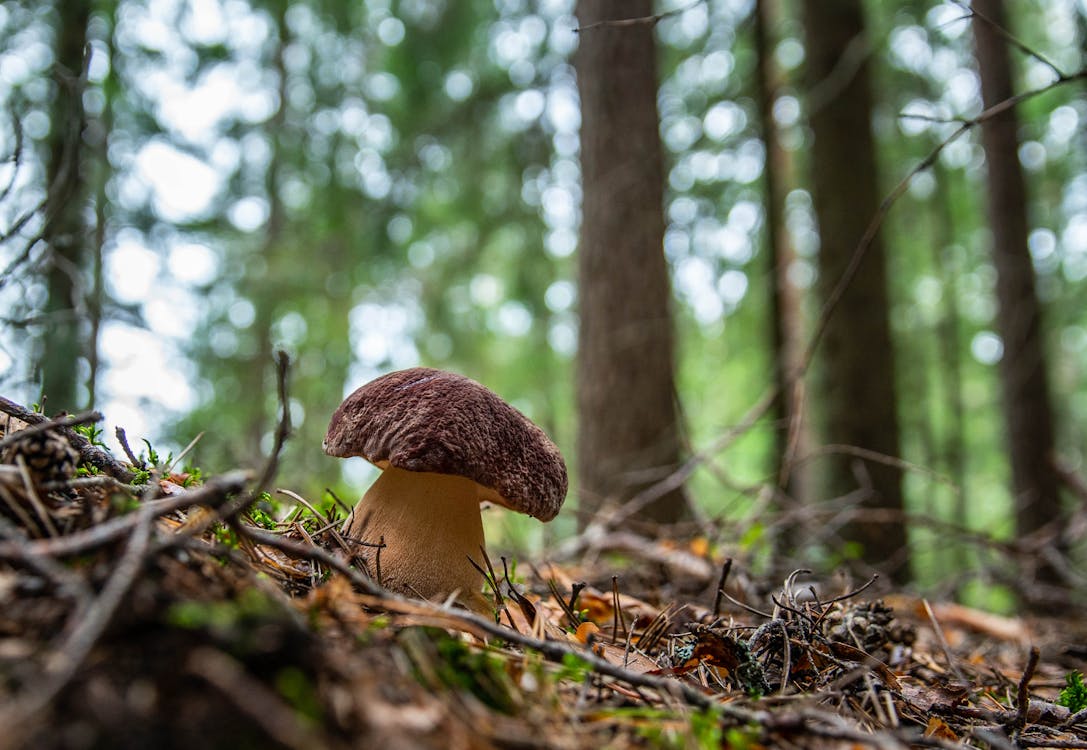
x=640, y=21
x=1011, y=39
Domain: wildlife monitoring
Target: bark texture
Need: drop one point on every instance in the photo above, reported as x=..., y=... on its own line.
x=858, y=389
x=628, y=429
x=1028, y=413
x=65, y=230
x=786, y=317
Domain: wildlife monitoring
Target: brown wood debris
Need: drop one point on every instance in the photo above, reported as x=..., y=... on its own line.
x=181, y=614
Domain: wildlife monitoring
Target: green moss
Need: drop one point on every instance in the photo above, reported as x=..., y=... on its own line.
x=444, y=661
x=298, y=690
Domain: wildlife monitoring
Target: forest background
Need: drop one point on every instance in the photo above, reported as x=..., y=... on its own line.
x=189, y=186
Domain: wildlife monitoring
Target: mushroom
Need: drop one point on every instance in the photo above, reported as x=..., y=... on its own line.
x=444, y=443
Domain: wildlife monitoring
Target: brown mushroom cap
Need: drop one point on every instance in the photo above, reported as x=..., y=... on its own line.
x=428, y=420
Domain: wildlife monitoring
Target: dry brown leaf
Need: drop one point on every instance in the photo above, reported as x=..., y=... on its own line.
x=925, y=698
x=939, y=729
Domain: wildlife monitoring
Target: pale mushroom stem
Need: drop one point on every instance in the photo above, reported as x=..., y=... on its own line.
x=431, y=525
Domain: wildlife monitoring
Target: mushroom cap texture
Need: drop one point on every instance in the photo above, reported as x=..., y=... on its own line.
x=428, y=420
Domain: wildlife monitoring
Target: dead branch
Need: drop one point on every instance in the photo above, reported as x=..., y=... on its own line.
x=252, y=697
x=640, y=21
x=21, y=715
x=88, y=452
x=283, y=428
x=215, y=492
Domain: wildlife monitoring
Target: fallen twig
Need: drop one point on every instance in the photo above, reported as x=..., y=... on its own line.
x=215, y=491
x=88, y=452
x=19, y=717
x=374, y=596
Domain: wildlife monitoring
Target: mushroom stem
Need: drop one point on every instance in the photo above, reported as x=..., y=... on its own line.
x=431, y=525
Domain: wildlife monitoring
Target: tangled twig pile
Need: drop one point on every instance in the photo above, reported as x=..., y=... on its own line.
x=152, y=609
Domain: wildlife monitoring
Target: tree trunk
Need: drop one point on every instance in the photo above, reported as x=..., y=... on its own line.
x=102, y=127
x=64, y=230
x=859, y=387
x=628, y=427
x=1028, y=414
x=786, y=318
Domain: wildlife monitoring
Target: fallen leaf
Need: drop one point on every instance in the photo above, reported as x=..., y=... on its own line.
x=938, y=728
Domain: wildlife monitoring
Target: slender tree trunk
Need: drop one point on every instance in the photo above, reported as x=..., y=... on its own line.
x=1028, y=414
x=65, y=231
x=859, y=387
x=948, y=332
x=785, y=300
x=628, y=429
x=102, y=129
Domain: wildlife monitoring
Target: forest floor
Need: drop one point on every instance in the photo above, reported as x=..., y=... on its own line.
x=143, y=609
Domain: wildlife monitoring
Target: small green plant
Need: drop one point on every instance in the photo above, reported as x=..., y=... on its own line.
x=123, y=504
x=193, y=476
x=92, y=432
x=225, y=535
x=573, y=668
x=261, y=517
x=1074, y=695
x=152, y=454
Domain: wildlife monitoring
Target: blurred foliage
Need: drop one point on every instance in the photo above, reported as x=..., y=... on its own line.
x=378, y=184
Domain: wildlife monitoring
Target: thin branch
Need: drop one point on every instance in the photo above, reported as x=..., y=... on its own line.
x=16, y=157
x=50, y=424
x=885, y=206
x=283, y=429
x=972, y=12
x=1023, y=691
x=213, y=493
x=726, y=568
x=19, y=716
x=88, y=452
x=640, y=21
x=942, y=639
x=122, y=438
x=253, y=698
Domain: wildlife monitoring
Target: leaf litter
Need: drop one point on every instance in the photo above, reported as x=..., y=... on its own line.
x=143, y=608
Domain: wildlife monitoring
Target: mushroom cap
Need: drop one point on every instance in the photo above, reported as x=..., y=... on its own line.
x=428, y=420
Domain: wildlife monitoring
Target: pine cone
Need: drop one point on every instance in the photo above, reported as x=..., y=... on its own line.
x=48, y=455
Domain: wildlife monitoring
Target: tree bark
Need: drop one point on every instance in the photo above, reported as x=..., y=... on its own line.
x=1028, y=413
x=628, y=429
x=65, y=231
x=858, y=389
x=786, y=317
